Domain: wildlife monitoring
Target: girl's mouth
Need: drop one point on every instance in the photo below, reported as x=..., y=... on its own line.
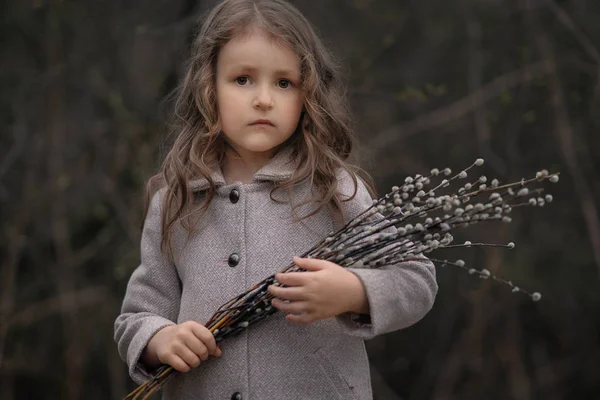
x=262, y=122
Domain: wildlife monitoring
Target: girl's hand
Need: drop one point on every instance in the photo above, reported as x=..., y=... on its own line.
x=181, y=346
x=323, y=291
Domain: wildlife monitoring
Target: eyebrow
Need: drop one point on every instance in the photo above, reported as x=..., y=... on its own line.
x=250, y=68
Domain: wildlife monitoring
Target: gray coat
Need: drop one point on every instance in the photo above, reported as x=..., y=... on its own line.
x=274, y=359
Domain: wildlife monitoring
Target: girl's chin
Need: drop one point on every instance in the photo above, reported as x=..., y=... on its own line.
x=256, y=149
x=260, y=147
x=262, y=150
x=257, y=143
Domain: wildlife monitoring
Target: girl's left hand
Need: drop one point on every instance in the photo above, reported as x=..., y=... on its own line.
x=323, y=291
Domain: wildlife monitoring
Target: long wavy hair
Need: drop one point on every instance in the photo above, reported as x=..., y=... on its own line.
x=321, y=143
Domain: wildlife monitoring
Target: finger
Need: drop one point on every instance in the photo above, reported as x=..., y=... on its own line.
x=300, y=319
x=295, y=307
x=219, y=352
x=287, y=293
x=177, y=363
x=206, y=336
x=197, y=346
x=188, y=355
x=293, y=278
x=310, y=264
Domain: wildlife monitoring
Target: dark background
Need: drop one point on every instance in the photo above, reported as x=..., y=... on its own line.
x=432, y=84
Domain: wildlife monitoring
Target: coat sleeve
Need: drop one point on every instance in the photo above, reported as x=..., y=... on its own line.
x=152, y=297
x=399, y=295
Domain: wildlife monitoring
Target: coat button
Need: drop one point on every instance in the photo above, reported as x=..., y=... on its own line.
x=234, y=196
x=234, y=259
x=236, y=396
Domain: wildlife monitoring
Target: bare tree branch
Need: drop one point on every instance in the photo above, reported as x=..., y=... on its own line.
x=565, y=19
x=475, y=80
x=565, y=137
x=62, y=303
x=588, y=46
x=459, y=108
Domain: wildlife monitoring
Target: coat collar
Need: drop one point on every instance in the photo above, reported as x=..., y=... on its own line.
x=279, y=168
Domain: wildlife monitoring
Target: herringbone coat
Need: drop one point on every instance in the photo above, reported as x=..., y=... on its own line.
x=274, y=359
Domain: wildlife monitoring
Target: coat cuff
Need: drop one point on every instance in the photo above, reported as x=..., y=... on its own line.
x=398, y=296
x=150, y=327
x=356, y=324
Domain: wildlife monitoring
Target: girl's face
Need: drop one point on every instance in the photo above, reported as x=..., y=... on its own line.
x=258, y=93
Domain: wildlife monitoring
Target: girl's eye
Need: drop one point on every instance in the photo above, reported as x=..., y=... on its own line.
x=242, y=80
x=284, y=83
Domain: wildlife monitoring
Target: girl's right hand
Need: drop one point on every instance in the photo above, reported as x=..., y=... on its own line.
x=181, y=346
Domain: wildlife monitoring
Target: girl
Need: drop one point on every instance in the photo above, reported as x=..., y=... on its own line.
x=258, y=174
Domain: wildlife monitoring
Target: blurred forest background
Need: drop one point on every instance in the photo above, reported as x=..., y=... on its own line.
x=433, y=84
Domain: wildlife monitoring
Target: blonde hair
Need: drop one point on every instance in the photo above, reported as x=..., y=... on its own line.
x=321, y=143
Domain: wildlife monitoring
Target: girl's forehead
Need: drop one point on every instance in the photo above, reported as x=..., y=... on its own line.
x=258, y=48
x=255, y=36
x=255, y=31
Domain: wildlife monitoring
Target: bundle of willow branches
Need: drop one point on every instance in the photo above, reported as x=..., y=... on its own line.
x=411, y=220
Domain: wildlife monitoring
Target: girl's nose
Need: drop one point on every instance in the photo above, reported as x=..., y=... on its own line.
x=263, y=99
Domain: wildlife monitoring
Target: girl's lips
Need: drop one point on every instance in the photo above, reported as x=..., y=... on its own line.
x=262, y=122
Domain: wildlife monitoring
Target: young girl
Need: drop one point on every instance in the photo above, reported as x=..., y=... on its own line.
x=259, y=174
